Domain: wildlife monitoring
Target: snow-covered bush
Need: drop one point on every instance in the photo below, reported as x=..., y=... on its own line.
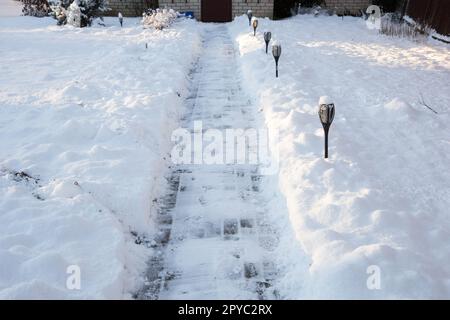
x=316, y=11
x=74, y=15
x=35, y=8
x=159, y=18
x=89, y=10
x=288, y=8
x=59, y=13
x=394, y=26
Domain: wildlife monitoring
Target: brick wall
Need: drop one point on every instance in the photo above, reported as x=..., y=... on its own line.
x=352, y=5
x=182, y=5
x=129, y=8
x=260, y=8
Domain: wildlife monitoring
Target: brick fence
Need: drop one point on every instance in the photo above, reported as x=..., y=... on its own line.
x=182, y=5
x=352, y=6
x=130, y=8
x=260, y=8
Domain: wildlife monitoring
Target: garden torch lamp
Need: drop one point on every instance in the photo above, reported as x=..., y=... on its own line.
x=326, y=115
x=249, y=15
x=276, y=51
x=255, y=25
x=267, y=37
x=120, y=19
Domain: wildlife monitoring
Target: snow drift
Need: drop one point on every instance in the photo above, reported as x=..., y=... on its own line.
x=382, y=198
x=85, y=122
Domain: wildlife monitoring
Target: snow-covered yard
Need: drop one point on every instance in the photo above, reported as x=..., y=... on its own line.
x=86, y=117
x=10, y=8
x=383, y=197
x=87, y=114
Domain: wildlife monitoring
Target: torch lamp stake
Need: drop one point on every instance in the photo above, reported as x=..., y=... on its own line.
x=249, y=16
x=276, y=66
x=255, y=25
x=276, y=51
x=326, y=128
x=267, y=37
x=326, y=115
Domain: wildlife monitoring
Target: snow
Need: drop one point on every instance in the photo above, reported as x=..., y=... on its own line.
x=86, y=119
x=221, y=241
x=88, y=112
x=325, y=100
x=383, y=196
x=10, y=8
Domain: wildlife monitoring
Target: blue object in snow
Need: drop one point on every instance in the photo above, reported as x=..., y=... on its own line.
x=188, y=14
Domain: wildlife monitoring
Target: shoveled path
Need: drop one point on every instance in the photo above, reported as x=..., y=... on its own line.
x=214, y=241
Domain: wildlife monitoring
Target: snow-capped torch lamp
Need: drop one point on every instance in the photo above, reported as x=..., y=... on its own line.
x=120, y=19
x=255, y=25
x=267, y=37
x=326, y=115
x=249, y=15
x=276, y=51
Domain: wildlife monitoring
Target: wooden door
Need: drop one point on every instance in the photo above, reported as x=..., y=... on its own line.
x=216, y=10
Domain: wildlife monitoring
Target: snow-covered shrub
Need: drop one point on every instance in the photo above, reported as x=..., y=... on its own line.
x=35, y=8
x=74, y=15
x=159, y=18
x=315, y=10
x=288, y=8
x=59, y=13
x=394, y=26
x=89, y=10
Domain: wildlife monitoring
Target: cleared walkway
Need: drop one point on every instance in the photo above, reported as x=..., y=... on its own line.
x=214, y=240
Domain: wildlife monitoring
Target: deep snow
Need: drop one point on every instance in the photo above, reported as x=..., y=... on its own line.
x=89, y=112
x=10, y=8
x=383, y=196
x=86, y=117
